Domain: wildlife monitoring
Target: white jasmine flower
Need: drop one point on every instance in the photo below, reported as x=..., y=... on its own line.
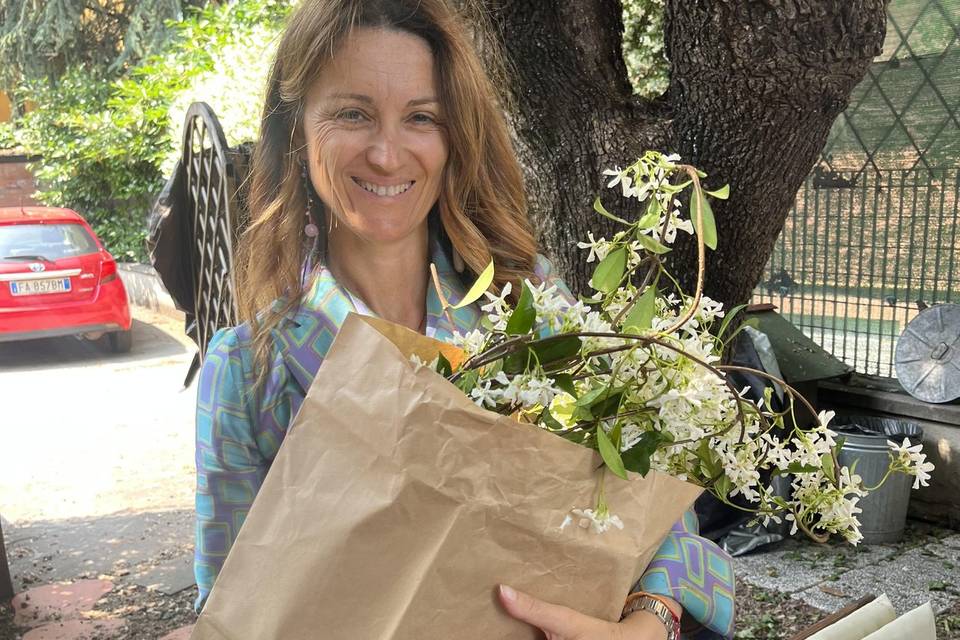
x=598, y=248
x=498, y=310
x=498, y=303
x=471, y=342
x=599, y=521
x=910, y=460
x=484, y=396
x=418, y=361
x=617, y=174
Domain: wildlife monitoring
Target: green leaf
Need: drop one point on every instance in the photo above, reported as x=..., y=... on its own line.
x=641, y=316
x=796, y=467
x=651, y=245
x=607, y=275
x=524, y=315
x=565, y=382
x=722, y=193
x=468, y=381
x=610, y=454
x=615, y=436
x=444, y=367
x=637, y=457
x=675, y=188
x=651, y=218
x=590, y=397
x=599, y=208
x=826, y=462
x=547, y=418
x=582, y=414
x=728, y=318
x=607, y=406
x=556, y=350
x=482, y=283
x=701, y=208
x=723, y=486
x=710, y=466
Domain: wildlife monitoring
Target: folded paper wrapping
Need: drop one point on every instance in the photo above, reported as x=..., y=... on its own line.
x=878, y=621
x=918, y=624
x=395, y=506
x=863, y=621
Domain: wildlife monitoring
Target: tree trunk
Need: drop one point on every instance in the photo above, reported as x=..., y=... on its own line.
x=755, y=86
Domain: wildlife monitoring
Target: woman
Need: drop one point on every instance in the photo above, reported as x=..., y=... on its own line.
x=382, y=150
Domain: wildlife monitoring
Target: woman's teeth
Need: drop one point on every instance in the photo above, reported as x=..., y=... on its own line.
x=390, y=191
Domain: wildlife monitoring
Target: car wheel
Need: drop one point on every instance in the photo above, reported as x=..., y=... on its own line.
x=120, y=341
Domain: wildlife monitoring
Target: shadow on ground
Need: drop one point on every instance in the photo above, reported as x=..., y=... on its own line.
x=149, y=342
x=153, y=549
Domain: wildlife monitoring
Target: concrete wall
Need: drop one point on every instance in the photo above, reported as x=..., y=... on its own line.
x=16, y=182
x=144, y=289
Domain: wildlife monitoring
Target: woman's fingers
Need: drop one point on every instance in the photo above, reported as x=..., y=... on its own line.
x=554, y=620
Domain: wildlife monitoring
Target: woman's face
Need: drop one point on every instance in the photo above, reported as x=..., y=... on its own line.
x=375, y=146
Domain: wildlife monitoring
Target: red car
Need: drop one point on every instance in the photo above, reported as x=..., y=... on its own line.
x=56, y=279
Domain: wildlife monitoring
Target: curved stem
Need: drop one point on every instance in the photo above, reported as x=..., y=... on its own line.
x=701, y=252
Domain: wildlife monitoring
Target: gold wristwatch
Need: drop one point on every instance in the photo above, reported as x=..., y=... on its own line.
x=657, y=608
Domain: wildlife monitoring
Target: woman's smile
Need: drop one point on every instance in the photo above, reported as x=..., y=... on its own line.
x=386, y=191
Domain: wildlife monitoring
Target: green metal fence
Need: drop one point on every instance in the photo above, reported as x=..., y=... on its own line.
x=873, y=236
x=860, y=256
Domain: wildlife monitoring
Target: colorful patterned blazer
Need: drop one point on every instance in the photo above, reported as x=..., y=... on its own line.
x=239, y=434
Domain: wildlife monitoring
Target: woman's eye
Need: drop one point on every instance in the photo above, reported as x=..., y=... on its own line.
x=351, y=115
x=423, y=118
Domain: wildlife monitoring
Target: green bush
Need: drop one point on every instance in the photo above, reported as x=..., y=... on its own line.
x=105, y=144
x=98, y=143
x=8, y=139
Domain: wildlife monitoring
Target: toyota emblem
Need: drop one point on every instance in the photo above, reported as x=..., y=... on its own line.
x=37, y=267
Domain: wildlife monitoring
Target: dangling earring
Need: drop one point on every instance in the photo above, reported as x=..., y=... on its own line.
x=309, y=229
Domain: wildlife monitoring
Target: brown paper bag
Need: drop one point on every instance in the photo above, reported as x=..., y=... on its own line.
x=396, y=506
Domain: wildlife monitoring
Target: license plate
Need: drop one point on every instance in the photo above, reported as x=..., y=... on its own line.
x=39, y=287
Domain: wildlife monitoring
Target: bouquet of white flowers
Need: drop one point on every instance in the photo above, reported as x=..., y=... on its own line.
x=635, y=371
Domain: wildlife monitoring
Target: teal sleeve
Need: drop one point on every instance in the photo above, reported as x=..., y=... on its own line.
x=696, y=573
x=230, y=467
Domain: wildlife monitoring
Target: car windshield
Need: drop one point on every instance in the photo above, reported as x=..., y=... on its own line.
x=44, y=241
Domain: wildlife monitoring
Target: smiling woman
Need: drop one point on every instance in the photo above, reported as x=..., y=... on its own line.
x=376, y=151
x=383, y=151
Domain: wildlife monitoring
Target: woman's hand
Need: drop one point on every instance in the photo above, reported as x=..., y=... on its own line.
x=563, y=623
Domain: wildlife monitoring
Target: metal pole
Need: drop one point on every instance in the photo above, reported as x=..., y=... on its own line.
x=6, y=585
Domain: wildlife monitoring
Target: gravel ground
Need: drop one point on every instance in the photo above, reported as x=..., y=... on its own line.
x=768, y=615
x=761, y=614
x=147, y=614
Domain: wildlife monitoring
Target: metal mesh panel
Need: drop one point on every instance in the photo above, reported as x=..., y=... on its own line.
x=904, y=114
x=854, y=264
x=211, y=192
x=873, y=236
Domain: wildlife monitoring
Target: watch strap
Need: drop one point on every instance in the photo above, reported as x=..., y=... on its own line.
x=656, y=606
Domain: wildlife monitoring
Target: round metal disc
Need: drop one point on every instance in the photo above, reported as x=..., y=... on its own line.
x=928, y=354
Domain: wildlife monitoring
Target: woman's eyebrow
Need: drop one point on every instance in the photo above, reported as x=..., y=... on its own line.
x=420, y=101
x=359, y=97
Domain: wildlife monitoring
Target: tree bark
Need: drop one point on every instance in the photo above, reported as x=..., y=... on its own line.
x=755, y=86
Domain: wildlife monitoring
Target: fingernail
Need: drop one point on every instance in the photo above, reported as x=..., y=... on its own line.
x=508, y=593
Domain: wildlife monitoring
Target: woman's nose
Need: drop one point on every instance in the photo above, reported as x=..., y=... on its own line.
x=385, y=151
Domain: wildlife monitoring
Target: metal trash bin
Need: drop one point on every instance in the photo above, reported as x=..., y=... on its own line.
x=865, y=438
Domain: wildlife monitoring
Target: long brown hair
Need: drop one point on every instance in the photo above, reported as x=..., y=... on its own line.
x=482, y=204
